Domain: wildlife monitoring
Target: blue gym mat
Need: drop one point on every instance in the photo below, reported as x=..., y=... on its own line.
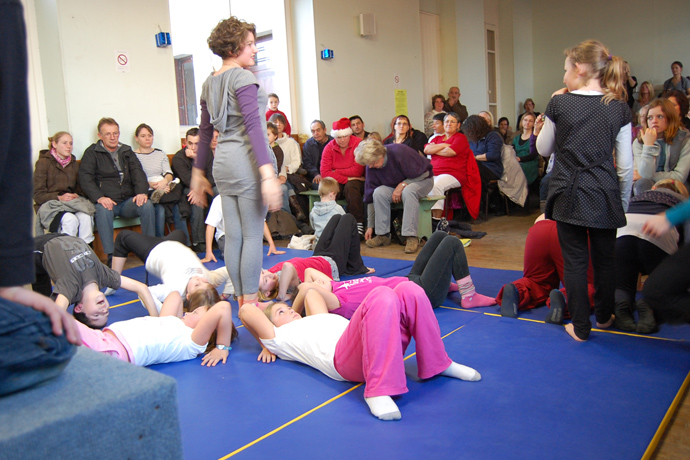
x=542, y=394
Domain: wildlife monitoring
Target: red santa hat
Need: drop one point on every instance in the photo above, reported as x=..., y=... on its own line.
x=341, y=128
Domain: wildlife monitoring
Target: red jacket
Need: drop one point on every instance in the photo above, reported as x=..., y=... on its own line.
x=338, y=166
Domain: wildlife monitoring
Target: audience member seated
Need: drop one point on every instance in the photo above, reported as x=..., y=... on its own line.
x=338, y=162
x=641, y=118
x=437, y=102
x=487, y=146
x=403, y=134
x=454, y=166
x=312, y=151
x=61, y=209
x=357, y=126
x=273, y=102
x=326, y=208
x=639, y=253
x=529, y=108
x=644, y=96
x=504, y=130
x=630, y=84
x=438, y=126
x=292, y=160
x=542, y=274
x=182, y=163
x=112, y=178
x=489, y=117
x=663, y=151
x=529, y=161
x=680, y=103
x=453, y=103
x=394, y=173
x=678, y=81
x=163, y=192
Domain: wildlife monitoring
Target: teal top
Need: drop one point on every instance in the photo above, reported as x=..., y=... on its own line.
x=531, y=167
x=679, y=213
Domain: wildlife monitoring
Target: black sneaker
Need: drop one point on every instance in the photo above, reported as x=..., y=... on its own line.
x=442, y=225
x=624, y=319
x=511, y=299
x=646, y=324
x=555, y=315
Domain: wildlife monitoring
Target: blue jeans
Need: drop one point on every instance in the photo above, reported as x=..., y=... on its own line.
x=104, y=220
x=29, y=352
x=180, y=223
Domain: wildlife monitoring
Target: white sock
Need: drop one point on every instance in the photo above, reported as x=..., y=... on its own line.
x=383, y=407
x=458, y=371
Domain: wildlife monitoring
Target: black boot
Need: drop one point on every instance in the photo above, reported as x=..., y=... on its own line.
x=297, y=209
x=624, y=319
x=646, y=324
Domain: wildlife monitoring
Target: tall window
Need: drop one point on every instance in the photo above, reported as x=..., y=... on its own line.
x=186, y=92
x=491, y=71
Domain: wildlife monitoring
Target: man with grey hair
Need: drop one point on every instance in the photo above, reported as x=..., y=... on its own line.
x=453, y=103
x=313, y=148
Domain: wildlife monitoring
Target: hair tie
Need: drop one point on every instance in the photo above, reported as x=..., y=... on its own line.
x=610, y=57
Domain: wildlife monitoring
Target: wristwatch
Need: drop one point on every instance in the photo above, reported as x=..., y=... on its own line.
x=223, y=347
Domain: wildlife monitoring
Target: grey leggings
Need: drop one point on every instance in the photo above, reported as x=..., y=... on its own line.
x=244, y=229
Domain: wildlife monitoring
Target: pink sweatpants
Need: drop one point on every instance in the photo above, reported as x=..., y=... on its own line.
x=371, y=348
x=103, y=342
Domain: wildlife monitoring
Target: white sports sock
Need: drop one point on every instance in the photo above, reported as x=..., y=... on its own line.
x=458, y=371
x=383, y=407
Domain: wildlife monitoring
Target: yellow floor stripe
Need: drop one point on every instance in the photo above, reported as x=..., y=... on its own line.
x=285, y=425
x=594, y=329
x=667, y=419
x=126, y=303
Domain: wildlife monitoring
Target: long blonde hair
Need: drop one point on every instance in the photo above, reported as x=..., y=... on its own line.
x=608, y=69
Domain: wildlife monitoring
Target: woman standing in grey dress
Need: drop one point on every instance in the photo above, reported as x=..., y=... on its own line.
x=232, y=102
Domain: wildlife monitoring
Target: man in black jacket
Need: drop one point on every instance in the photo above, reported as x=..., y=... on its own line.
x=111, y=176
x=182, y=163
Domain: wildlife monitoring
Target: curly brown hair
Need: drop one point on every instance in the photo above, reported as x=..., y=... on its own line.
x=475, y=128
x=227, y=38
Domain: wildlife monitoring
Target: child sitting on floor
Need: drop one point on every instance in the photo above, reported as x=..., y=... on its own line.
x=369, y=348
x=171, y=337
x=323, y=210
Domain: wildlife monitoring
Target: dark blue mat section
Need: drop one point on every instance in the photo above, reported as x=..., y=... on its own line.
x=542, y=395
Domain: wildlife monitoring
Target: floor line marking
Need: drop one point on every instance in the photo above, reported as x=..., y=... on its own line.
x=666, y=420
x=594, y=329
x=325, y=403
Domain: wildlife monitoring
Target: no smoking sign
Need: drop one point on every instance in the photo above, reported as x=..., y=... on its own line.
x=122, y=61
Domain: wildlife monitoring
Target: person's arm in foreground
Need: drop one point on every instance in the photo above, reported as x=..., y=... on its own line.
x=260, y=327
x=142, y=291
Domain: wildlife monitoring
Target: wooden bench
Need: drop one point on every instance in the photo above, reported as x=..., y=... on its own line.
x=424, y=229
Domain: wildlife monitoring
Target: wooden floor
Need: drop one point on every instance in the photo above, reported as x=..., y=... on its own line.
x=503, y=248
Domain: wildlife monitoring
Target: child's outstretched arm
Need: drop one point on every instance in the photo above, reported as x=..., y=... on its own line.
x=271, y=244
x=142, y=291
x=210, y=230
x=172, y=305
x=331, y=301
x=218, y=317
x=315, y=303
x=260, y=327
x=288, y=277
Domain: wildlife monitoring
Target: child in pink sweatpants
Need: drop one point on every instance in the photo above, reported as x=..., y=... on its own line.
x=369, y=348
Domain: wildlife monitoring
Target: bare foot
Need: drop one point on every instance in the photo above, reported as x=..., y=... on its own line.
x=607, y=324
x=370, y=270
x=570, y=329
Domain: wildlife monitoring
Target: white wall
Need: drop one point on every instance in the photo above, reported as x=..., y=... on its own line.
x=471, y=54
x=506, y=60
x=648, y=36
x=360, y=79
x=90, y=33
x=523, y=59
x=305, y=53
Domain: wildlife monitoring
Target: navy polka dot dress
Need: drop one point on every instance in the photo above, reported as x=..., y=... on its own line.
x=584, y=187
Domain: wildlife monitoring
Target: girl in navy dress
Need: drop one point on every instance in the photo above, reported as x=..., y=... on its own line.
x=590, y=185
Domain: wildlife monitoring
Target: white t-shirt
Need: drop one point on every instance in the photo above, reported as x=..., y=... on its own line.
x=155, y=340
x=175, y=264
x=215, y=217
x=311, y=341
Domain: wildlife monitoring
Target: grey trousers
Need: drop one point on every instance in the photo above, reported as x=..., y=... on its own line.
x=383, y=197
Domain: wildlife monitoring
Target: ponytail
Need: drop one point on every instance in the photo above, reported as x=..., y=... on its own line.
x=608, y=69
x=612, y=80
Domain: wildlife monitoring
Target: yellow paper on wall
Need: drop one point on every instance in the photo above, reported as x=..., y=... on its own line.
x=401, y=102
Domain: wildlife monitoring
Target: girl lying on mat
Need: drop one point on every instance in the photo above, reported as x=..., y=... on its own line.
x=442, y=256
x=171, y=337
x=177, y=266
x=369, y=348
x=336, y=253
x=79, y=276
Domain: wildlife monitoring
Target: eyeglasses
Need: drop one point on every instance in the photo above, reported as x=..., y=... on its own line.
x=658, y=117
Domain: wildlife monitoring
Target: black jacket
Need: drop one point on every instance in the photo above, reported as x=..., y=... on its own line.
x=182, y=168
x=98, y=176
